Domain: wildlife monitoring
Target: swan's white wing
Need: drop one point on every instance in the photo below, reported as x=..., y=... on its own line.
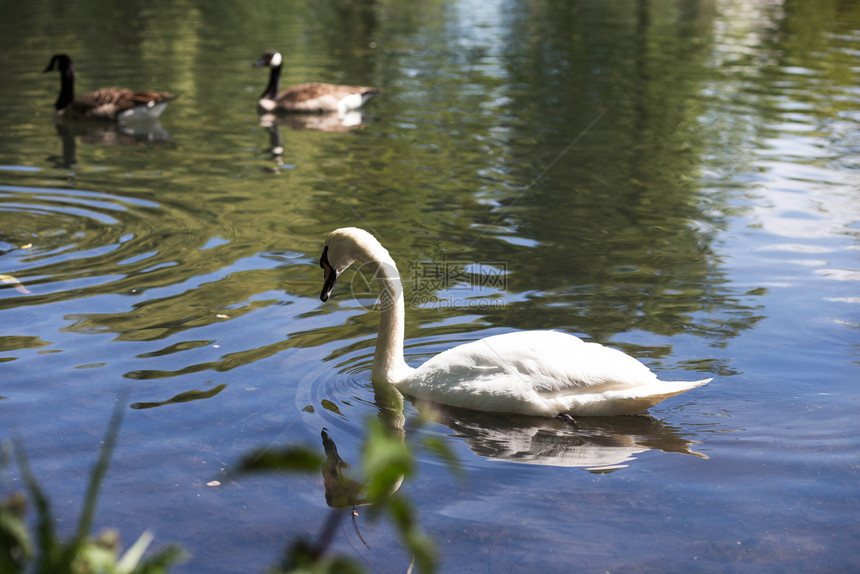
x=539, y=373
x=549, y=362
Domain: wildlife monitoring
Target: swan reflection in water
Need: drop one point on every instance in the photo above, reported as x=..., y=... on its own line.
x=137, y=132
x=341, y=491
x=597, y=444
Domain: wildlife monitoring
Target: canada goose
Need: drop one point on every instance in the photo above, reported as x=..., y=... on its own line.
x=541, y=373
x=311, y=98
x=106, y=104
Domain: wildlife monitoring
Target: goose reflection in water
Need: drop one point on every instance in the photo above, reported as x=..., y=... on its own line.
x=102, y=133
x=330, y=122
x=598, y=444
x=269, y=122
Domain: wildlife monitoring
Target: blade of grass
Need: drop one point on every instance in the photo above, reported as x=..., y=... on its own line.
x=47, y=539
x=86, y=521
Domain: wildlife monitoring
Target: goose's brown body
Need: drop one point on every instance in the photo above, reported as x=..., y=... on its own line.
x=105, y=104
x=309, y=98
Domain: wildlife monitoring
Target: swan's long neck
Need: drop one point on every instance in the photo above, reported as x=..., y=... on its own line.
x=388, y=363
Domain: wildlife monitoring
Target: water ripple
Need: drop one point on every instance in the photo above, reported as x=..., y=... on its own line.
x=68, y=237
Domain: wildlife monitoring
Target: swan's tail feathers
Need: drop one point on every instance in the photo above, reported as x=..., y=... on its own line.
x=684, y=385
x=666, y=390
x=630, y=401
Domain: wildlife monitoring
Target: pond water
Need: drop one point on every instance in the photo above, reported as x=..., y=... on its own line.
x=675, y=179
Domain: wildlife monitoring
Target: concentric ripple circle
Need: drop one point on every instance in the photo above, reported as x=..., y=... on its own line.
x=58, y=240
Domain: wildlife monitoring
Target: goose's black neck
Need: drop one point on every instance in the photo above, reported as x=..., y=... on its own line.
x=271, y=91
x=67, y=88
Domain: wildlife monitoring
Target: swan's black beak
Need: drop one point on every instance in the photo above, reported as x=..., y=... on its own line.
x=261, y=63
x=329, y=277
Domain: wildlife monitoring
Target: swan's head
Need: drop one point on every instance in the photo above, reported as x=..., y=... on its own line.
x=272, y=58
x=342, y=248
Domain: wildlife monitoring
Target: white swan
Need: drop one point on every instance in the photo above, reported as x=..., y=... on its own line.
x=542, y=373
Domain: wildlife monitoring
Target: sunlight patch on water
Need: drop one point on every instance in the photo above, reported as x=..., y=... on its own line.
x=24, y=168
x=840, y=274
